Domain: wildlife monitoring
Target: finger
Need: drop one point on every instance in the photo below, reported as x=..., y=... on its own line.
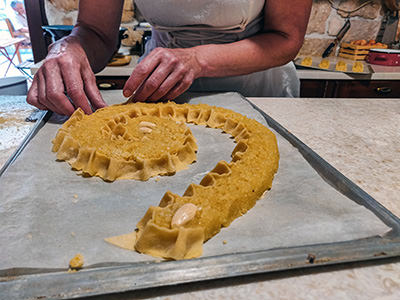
x=33, y=96
x=91, y=89
x=180, y=88
x=42, y=94
x=74, y=87
x=55, y=91
x=169, y=83
x=153, y=82
x=141, y=72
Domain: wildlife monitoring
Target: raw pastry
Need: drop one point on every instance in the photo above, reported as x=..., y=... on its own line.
x=353, y=56
x=341, y=66
x=120, y=142
x=324, y=64
x=307, y=61
x=359, y=49
x=178, y=227
x=358, y=67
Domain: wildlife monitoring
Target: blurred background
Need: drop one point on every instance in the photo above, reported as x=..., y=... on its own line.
x=12, y=25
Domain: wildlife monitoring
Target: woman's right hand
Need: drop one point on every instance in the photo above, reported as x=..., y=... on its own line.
x=65, y=71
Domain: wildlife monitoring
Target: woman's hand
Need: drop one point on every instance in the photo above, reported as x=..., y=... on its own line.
x=65, y=71
x=163, y=74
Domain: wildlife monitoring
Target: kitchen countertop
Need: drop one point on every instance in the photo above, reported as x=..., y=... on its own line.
x=380, y=72
x=360, y=138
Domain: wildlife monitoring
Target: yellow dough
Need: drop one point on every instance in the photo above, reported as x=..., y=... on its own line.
x=178, y=227
x=324, y=64
x=76, y=262
x=124, y=241
x=341, y=66
x=122, y=143
x=307, y=61
x=358, y=67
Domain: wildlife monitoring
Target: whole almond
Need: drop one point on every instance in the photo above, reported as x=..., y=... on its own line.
x=147, y=124
x=145, y=129
x=183, y=215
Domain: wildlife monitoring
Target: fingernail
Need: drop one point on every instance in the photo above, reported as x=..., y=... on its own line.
x=127, y=93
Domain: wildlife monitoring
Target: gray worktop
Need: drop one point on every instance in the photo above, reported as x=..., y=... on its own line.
x=360, y=137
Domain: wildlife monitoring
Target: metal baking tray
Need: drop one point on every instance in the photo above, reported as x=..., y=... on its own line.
x=332, y=65
x=100, y=279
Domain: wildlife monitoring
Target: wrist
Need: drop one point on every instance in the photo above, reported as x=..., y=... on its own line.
x=97, y=47
x=65, y=44
x=203, y=63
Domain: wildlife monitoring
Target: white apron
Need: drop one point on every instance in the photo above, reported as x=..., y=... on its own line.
x=184, y=24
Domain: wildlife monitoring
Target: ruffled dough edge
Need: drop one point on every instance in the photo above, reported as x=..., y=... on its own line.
x=186, y=241
x=95, y=163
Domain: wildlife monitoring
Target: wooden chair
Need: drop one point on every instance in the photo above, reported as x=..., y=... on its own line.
x=15, y=34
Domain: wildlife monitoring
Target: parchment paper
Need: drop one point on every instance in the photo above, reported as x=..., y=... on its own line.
x=48, y=213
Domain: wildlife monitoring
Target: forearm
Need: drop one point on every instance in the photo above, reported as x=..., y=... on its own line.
x=263, y=51
x=98, y=50
x=96, y=30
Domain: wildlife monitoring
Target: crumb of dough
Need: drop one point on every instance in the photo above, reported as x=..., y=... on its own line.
x=72, y=270
x=76, y=262
x=72, y=233
x=224, y=242
x=75, y=200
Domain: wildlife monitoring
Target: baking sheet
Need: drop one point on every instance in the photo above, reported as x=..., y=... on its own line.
x=316, y=60
x=44, y=224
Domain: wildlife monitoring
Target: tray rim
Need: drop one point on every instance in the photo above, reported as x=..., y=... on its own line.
x=135, y=276
x=41, y=121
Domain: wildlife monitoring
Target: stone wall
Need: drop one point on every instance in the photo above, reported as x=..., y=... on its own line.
x=65, y=12
x=324, y=24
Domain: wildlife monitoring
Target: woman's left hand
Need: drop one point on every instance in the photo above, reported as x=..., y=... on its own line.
x=163, y=74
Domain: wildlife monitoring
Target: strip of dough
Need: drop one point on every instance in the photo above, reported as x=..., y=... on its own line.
x=178, y=227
